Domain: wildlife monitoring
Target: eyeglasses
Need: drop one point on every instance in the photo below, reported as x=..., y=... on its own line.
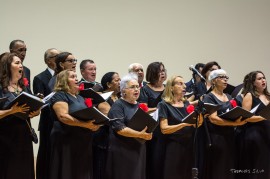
x=224, y=77
x=133, y=87
x=71, y=60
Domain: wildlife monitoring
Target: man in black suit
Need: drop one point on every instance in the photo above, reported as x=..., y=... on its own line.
x=40, y=86
x=18, y=47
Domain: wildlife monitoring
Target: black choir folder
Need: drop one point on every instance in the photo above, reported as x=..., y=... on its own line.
x=208, y=109
x=96, y=97
x=91, y=113
x=30, y=100
x=140, y=120
x=263, y=111
x=3, y=99
x=235, y=113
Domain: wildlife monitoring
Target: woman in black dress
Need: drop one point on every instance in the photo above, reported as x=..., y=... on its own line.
x=179, y=155
x=110, y=82
x=16, y=149
x=126, y=156
x=71, y=139
x=219, y=158
x=151, y=95
x=254, y=137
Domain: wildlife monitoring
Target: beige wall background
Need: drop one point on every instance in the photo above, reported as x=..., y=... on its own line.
x=116, y=33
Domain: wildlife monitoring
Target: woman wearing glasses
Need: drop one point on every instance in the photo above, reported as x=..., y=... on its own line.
x=63, y=61
x=254, y=137
x=219, y=158
x=126, y=156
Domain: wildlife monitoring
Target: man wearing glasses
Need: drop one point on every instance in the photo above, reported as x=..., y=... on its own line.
x=41, y=88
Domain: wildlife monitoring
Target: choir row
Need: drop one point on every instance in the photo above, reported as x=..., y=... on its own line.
x=71, y=148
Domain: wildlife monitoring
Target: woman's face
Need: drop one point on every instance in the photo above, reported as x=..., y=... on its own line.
x=73, y=82
x=214, y=67
x=221, y=81
x=260, y=82
x=16, y=68
x=179, y=87
x=132, y=91
x=115, y=84
x=69, y=63
x=162, y=74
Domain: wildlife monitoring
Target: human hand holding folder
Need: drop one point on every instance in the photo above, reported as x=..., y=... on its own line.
x=144, y=135
x=235, y=114
x=25, y=99
x=142, y=121
x=91, y=113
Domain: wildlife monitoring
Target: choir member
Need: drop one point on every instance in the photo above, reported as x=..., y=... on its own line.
x=110, y=82
x=151, y=95
x=179, y=156
x=40, y=87
x=63, y=61
x=254, y=137
x=16, y=151
x=71, y=139
x=89, y=72
x=126, y=156
x=219, y=158
x=138, y=69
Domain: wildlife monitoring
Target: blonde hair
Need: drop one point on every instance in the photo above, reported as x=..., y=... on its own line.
x=61, y=83
x=168, y=94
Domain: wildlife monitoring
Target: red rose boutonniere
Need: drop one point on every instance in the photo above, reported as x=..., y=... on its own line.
x=233, y=103
x=88, y=102
x=81, y=86
x=25, y=82
x=143, y=106
x=190, y=108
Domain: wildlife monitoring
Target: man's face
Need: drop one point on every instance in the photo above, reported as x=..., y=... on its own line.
x=139, y=70
x=19, y=49
x=89, y=72
x=51, y=58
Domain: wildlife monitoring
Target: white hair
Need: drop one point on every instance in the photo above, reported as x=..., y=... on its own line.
x=127, y=78
x=131, y=66
x=215, y=73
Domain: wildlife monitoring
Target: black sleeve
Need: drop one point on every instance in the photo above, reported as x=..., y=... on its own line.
x=117, y=111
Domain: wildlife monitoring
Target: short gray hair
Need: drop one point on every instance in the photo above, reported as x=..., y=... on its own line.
x=127, y=78
x=215, y=73
x=131, y=66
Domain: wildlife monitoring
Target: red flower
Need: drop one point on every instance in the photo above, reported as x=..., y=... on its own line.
x=25, y=82
x=143, y=106
x=233, y=103
x=190, y=108
x=81, y=86
x=88, y=102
